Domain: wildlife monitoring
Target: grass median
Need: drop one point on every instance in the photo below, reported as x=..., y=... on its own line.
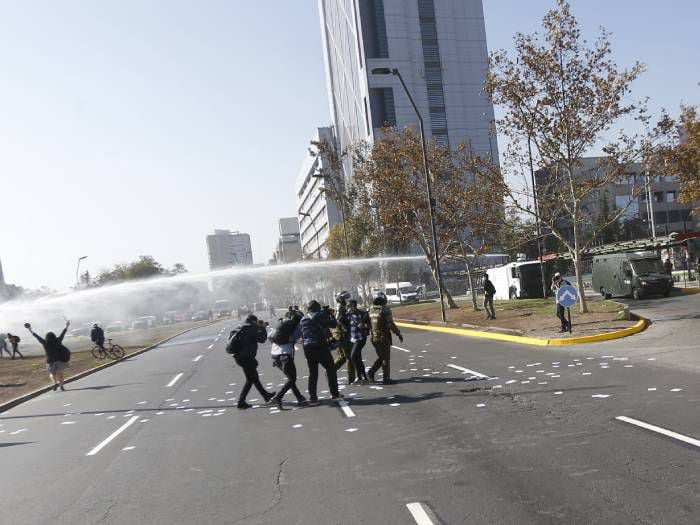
x=21, y=376
x=526, y=317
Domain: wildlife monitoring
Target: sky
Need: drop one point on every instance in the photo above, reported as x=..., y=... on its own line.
x=134, y=128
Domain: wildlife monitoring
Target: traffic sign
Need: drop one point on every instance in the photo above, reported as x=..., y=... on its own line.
x=567, y=296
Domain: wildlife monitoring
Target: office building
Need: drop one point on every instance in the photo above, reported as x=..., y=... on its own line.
x=227, y=248
x=439, y=46
x=289, y=243
x=317, y=214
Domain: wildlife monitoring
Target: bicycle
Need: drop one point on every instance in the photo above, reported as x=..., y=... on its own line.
x=110, y=350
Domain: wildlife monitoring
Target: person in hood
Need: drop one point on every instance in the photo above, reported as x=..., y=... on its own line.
x=247, y=337
x=57, y=355
x=315, y=332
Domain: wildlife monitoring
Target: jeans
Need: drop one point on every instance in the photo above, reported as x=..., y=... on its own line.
x=15, y=350
x=356, y=356
x=250, y=369
x=286, y=364
x=345, y=355
x=320, y=355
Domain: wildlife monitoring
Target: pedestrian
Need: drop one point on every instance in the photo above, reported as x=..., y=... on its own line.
x=558, y=282
x=358, y=322
x=3, y=346
x=14, y=342
x=282, y=339
x=342, y=336
x=243, y=345
x=315, y=333
x=57, y=355
x=668, y=265
x=272, y=313
x=489, y=292
x=381, y=326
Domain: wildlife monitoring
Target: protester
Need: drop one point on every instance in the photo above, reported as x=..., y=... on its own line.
x=358, y=322
x=382, y=324
x=558, y=282
x=14, y=342
x=342, y=337
x=290, y=312
x=668, y=265
x=315, y=328
x=3, y=346
x=57, y=355
x=97, y=336
x=282, y=339
x=243, y=345
x=489, y=292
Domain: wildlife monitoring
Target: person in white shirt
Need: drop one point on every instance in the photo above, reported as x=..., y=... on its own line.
x=283, y=337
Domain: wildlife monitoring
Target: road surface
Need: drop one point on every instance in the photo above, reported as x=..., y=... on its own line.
x=474, y=432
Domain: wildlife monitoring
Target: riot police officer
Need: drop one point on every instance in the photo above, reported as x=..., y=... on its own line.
x=341, y=334
x=381, y=326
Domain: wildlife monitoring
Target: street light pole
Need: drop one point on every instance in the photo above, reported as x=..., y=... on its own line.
x=77, y=272
x=428, y=184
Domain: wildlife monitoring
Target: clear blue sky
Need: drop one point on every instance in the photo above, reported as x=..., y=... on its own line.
x=131, y=127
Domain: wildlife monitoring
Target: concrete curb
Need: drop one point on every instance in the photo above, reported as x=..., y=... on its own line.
x=689, y=290
x=30, y=395
x=532, y=341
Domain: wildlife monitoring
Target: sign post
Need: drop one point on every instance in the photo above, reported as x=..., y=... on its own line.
x=567, y=296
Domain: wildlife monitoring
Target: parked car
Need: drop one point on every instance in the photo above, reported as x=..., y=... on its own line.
x=140, y=324
x=202, y=315
x=259, y=307
x=402, y=292
x=222, y=308
x=116, y=326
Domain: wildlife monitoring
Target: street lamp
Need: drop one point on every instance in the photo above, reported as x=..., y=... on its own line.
x=77, y=272
x=431, y=201
x=313, y=223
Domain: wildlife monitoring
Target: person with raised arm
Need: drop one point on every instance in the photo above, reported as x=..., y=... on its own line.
x=57, y=355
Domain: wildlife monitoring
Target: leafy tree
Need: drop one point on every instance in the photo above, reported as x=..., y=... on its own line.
x=145, y=267
x=561, y=96
x=177, y=269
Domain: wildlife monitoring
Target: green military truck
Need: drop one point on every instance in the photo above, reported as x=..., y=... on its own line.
x=637, y=275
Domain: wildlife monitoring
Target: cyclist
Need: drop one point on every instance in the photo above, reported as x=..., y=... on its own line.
x=97, y=336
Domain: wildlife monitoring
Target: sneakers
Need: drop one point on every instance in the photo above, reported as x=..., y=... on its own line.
x=242, y=405
x=337, y=396
x=268, y=396
x=55, y=387
x=313, y=402
x=370, y=376
x=277, y=402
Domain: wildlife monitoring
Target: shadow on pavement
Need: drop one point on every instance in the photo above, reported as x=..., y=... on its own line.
x=17, y=443
x=10, y=385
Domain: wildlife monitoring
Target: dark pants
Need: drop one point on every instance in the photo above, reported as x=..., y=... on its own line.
x=344, y=356
x=383, y=356
x=561, y=314
x=320, y=355
x=286, y=364
x=356, y=356
x=250, y=369
x=488, y=306
x=15, y=350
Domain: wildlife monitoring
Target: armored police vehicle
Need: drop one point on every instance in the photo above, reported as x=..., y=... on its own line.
x=638, y=274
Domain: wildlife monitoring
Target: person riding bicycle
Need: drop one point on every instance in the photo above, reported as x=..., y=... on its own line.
x=97, y=336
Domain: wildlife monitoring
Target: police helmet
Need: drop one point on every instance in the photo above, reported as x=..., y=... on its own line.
x=313, y=306
x=379, y=299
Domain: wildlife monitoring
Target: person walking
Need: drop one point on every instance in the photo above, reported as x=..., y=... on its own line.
x=342, y=336
x=14, y=343
x=558, y=282
x=243, y=345
x=3, y=346
x=57, y=355
x=315, y=332
x=381, y=326
x=282, y=339
x=358, y=322
x=489, y=292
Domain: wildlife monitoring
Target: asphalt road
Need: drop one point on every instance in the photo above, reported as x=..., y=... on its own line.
x=157, y=439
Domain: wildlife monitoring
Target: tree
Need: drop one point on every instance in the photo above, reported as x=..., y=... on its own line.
x=561, y=96
x=177, y=269
x=145, y=267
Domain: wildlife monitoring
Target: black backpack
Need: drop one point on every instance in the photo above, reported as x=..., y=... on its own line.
x=64, y=354
x=284, y=331
x=236, y=342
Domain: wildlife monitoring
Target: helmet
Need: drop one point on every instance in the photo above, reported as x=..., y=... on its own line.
x=342, y=297
x=313, y=306
x=379, y=299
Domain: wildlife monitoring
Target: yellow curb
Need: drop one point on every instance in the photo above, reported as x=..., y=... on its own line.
x=689, y=291
x=533, y=341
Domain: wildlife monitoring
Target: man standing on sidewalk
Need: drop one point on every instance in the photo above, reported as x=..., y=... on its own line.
x=489, y=292
x=558, y=282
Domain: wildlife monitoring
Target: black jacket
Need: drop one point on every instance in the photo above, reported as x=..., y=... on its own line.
x=252, y=335
x=97, y=335
x=54, y=352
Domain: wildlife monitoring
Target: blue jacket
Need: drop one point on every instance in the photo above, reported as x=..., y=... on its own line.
x=315, y=328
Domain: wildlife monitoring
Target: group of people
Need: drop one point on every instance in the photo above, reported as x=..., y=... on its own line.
x=14, y=344
x=318, y=331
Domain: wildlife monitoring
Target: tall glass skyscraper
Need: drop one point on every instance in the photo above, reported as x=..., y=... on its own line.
x=439, y=46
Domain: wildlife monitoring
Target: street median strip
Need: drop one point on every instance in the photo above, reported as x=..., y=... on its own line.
x=532, y=341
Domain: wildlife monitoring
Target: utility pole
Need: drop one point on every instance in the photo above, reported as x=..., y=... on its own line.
x=537, y=217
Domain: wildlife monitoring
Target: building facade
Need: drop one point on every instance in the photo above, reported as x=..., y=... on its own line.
x=439, y=46
x=317, y=214
x=289, y=244
x=227, y=248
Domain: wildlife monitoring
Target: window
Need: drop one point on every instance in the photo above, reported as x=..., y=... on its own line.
x=381, y=101
x=366, y=116
x=374, y=29
x=670, y=196
x=658, y=196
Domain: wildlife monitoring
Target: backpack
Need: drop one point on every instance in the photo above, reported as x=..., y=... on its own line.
x=378, y=324
x=236, y=342
x=64, y=354
x=284, y=331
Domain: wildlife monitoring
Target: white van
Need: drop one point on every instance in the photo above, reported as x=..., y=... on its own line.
x=402, y=292
x=516, y=280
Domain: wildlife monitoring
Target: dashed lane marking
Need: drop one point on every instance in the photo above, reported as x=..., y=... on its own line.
x=175, y=379
x=421, y=513
x=659, y=430
x=112, y=436
x=345, y=407
x=210, y=347
x=401, y=349
x=197, y=358
x=467, y=371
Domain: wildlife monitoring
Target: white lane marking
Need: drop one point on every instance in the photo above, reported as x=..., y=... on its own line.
x=112, y=436
x=346, y=409
x=18, y=431
x=402, y=349
x=210, y=347
x=660, y=430
x=467, y=371
x=128, y=448
x=420, y=513
x=174, y=379
x=197, y=358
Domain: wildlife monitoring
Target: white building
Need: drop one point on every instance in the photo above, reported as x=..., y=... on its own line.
x=289, y=243
x=227, y=248
x=317, y=215
x=439, y=47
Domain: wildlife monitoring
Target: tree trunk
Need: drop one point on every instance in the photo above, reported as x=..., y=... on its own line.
x=472, y=291
x=446, y=294
x=583, y=306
